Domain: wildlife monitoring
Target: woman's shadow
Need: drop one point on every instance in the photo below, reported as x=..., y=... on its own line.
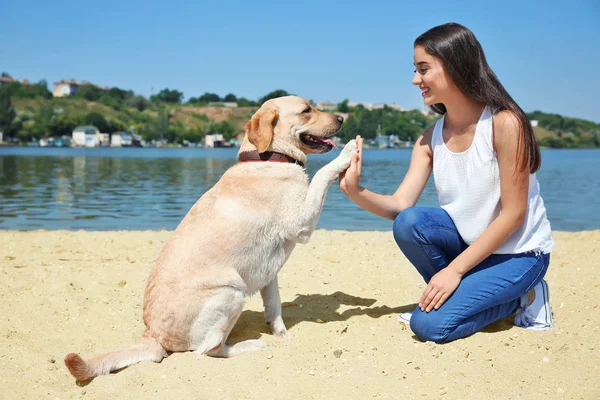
x=315, y=308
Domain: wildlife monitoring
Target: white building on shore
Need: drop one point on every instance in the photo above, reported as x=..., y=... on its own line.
x=216, y=140
x=86, y=136
x=125, y=139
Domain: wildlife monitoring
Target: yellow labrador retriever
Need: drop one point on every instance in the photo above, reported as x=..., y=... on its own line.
x=234, y=240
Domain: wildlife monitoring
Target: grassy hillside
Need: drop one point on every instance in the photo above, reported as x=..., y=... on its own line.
x=189, y=116
x=557, y=131
x=541, y=133
x=41, y=117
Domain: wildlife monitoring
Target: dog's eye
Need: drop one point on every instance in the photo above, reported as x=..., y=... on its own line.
x=306, y=110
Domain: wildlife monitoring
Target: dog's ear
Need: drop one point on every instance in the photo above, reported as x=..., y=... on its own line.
x=260, y=128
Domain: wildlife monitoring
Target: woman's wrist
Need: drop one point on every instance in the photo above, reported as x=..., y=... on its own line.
x=353, y=192
x=457, y=268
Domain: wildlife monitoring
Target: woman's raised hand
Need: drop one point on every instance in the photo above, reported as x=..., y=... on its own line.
x=350, y=179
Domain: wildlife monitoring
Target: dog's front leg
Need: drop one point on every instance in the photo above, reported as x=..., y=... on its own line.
x=272, y=303
x=315, y=197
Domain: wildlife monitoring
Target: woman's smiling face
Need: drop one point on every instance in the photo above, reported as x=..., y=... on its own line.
x=431, y=77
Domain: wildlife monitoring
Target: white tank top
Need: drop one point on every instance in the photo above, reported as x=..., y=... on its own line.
x=468, y=188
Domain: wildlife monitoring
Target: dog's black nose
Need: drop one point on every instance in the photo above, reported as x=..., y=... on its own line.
x=340, y=118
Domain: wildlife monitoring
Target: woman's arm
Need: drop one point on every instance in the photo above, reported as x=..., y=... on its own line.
x=514, y=187
x=407, y=194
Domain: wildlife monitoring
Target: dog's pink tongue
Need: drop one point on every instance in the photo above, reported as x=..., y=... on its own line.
x=329, y=141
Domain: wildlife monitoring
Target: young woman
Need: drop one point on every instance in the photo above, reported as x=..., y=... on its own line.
x=483, y=254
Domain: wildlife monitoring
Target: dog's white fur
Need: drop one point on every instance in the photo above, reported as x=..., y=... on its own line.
x=233, y=242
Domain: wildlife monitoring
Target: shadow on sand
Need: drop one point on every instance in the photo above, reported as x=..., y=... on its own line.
x=315, y=308
x=323, y=308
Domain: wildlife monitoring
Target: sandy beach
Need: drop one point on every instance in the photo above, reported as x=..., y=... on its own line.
x=82, y=292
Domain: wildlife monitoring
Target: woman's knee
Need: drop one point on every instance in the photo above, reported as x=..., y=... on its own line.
x=429, y=327
x=406, y=225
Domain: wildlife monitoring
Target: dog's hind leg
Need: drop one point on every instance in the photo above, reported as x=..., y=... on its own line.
x=215, y=322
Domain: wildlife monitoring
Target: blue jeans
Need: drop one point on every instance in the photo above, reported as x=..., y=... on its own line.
x=488, y=292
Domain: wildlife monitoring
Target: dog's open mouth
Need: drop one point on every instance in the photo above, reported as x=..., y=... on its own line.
x=321, y=144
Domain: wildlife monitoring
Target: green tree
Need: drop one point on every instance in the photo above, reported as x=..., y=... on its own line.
x=191, y=135
x=272, y=95
x=159, y=128
x=115, y=125
x=139, y=102
x=89, y=92
x=209, y=98
x=230, y=98
x=244, y=102
x=115, y=104
x=39, y=89
x=29, y=131
x=119, y=94
x=224, y=128
x=7, y=112
x=18, y=90
x=96, y=119
x=65, y=124
x=167, y=96
x=343, y=106
x=349, y=129
x=148, y=132
x=162, y=124
x=43, y=121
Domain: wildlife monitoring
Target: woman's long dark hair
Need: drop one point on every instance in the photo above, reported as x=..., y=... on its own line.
x=464, y=60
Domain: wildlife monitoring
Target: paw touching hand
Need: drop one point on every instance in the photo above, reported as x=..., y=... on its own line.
x=345, y=157
x=350, y=176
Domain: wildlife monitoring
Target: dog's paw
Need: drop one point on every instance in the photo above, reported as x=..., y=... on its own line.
x=345, y=157
x=351, y=147
x=278, y=329
x=283, y=334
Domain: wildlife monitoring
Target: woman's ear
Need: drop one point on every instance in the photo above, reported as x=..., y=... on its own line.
x=260, y=128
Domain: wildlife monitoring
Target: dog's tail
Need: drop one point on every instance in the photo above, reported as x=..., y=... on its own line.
x=146, y=349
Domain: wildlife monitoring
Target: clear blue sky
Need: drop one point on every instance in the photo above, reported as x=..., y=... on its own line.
x=546, y=53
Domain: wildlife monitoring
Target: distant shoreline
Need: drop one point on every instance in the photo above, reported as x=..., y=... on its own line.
x=19, y=146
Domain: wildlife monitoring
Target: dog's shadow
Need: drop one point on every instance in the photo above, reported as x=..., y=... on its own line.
x=315, y=308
